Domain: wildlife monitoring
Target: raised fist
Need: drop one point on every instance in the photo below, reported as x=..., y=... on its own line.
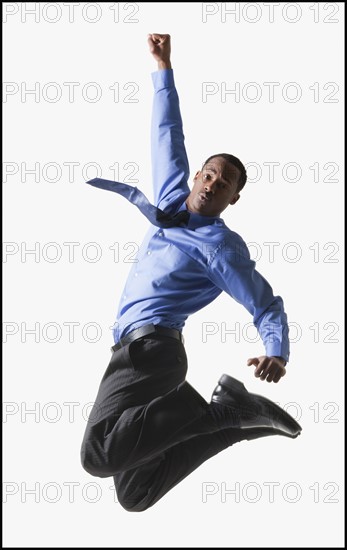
x=160, y=46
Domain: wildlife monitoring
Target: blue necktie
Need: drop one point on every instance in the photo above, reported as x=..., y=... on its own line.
x=157, y=217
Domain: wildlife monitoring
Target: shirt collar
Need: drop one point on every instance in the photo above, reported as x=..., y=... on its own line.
x=197, y=220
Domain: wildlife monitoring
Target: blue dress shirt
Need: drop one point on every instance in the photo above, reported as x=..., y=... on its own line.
x=181, y=270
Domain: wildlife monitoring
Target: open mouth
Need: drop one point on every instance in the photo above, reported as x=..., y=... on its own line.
x=204, y=198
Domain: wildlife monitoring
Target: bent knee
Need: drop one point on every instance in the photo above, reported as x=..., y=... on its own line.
x=97, y=463
x=131, y=496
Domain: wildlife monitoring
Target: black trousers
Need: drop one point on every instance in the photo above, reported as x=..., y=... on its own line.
x=149, y=428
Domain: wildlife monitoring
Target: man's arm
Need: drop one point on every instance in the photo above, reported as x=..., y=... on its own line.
x=233, y=271
x=169, y=158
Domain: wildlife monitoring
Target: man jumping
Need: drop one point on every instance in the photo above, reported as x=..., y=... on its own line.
x=149, y=428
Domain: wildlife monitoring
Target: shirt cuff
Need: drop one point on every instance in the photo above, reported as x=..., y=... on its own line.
x=273, y=350
x=163, y=79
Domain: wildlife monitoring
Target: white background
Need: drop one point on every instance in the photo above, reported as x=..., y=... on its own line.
x=59, y=378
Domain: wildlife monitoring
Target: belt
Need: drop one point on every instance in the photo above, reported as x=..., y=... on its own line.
x=146, y=330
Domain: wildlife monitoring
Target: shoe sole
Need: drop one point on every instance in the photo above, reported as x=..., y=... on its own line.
x=238, y=387
x=272, y=431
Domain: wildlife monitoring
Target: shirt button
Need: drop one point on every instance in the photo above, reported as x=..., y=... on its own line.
x=124, y=297
x=136, y=274
x=160, y=234
x=148, y=252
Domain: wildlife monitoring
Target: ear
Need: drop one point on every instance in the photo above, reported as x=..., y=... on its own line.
x=235, y=199
x=197, y=175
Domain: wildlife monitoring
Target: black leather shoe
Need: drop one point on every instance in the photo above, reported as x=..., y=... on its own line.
x=253, y=411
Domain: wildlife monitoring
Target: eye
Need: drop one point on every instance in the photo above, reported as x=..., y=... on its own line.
x=207, y=176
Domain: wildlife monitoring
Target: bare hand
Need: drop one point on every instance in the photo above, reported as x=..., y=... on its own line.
x=270, y=369
x=160, y=47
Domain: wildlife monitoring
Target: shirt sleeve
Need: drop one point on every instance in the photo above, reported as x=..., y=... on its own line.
x=232, y=270
x=170, y=166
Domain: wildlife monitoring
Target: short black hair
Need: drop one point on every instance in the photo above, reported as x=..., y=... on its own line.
x=236, y=162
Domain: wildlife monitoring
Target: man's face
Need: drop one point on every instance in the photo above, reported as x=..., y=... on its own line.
x=214, y=188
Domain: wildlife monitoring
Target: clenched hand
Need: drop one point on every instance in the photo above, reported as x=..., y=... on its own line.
x=267, y=368
x=160, y=48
